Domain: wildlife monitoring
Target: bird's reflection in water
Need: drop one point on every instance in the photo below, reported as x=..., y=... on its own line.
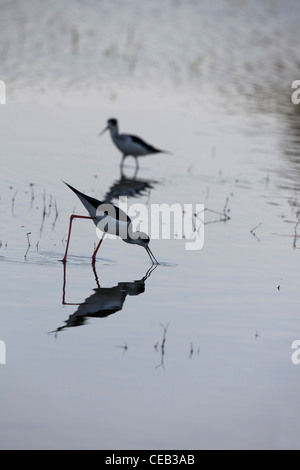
x=130, y=187
x=104, y=301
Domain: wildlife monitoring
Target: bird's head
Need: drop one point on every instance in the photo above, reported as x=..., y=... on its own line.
x=142, y=239
x=137, y=238
x=112, y=125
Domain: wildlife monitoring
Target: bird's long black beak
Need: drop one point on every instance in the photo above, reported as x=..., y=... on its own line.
x=151, y=255
x=102, y=132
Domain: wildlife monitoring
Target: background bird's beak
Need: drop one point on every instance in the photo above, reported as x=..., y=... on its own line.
x=102, y=132
x=151, y=255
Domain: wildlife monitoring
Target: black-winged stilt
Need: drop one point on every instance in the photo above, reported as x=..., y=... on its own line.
x=110, y=219
x=129, y=144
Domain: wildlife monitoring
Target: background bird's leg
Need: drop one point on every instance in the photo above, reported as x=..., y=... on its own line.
x=98, y=246
x=73, y=216
x=136, y=167
x=122, y=162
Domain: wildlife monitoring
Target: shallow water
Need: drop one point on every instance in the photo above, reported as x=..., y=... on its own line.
x=85, y=367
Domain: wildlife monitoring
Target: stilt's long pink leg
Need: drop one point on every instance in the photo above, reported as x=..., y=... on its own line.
x=73, y=216
x=98, y=246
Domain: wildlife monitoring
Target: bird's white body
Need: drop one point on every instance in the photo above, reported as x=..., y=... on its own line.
x=129, y=144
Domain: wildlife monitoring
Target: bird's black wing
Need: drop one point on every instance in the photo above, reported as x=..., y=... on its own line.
x=149, y=147
x=94, y=202
x=107, y=207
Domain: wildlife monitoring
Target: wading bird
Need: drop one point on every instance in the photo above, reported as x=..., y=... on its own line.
x=129, y=144
x=109, y=219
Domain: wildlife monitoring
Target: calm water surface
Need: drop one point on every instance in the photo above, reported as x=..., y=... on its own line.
x=85, y=367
